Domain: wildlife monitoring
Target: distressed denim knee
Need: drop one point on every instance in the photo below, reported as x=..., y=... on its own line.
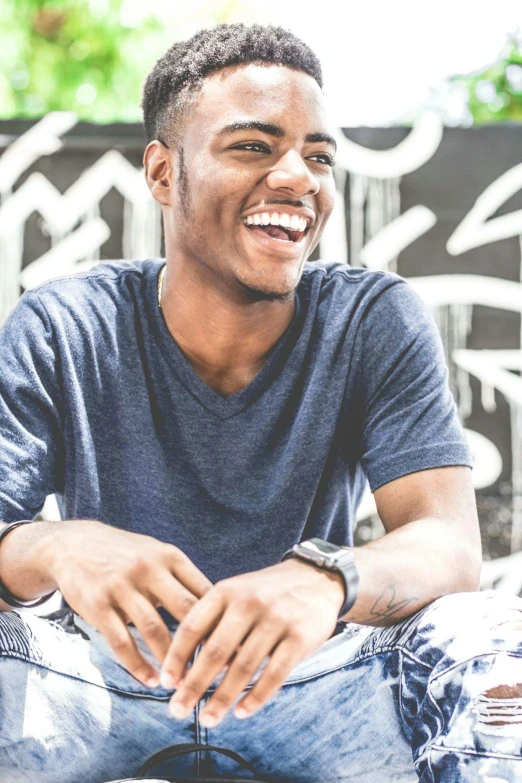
x=462, y=688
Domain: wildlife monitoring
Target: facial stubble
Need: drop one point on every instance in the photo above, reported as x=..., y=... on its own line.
x=252, y=293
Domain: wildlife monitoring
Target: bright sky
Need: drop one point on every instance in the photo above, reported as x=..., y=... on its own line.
x=380, y=57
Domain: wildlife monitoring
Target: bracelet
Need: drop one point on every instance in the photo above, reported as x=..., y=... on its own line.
x=5, y=594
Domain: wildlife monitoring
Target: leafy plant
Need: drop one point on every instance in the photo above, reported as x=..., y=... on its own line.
x=495, y=93
x=88, y=56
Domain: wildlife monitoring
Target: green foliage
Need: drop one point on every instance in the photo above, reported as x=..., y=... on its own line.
x=88, y=56
x=495, y=94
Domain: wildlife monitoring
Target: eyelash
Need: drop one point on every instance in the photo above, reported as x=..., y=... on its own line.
x=328, y=160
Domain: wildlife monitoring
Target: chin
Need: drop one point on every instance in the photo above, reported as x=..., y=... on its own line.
x=271, y=290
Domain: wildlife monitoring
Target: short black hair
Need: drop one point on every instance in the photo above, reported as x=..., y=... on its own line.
x=181, y=70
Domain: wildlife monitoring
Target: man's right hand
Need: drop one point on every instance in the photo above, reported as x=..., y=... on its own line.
x=111, y=577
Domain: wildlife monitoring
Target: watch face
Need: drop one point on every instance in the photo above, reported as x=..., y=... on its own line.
x=321, y=547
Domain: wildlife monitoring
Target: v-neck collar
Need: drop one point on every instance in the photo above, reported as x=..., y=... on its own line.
x=222, y=407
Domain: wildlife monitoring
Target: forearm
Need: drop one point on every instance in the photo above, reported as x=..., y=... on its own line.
x=23, y=564
x=409, y=568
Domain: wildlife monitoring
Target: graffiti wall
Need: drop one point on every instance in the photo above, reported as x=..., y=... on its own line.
x=442, y=207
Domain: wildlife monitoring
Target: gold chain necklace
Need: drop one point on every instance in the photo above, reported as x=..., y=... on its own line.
x=160, y=284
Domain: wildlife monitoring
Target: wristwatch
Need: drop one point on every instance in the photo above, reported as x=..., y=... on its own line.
x=331, y=557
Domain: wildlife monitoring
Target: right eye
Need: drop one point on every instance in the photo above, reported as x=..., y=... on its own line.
x=252, y=146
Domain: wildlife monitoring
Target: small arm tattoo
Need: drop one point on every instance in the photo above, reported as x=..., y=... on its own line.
x=386, y=607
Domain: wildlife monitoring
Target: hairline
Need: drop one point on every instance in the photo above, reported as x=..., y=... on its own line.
x=185, y=98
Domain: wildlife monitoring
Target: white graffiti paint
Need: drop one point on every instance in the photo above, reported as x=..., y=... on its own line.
x=409, y=155
x=42, y=139
x=378, y=234
x=62, y=212
x=476, y=229
x=379, y=252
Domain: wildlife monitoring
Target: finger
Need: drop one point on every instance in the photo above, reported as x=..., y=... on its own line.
x=215, y=654
x=120, y=640
x=258, y=645
x=172, y=595
x=287, y=655
x=197, y=624
x=187, y=573
x=149, y=624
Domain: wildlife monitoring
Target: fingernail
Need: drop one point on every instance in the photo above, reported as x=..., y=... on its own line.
x=208, y=721
x=168, y=681
x=178, y=710
x=240, y=712
x=152, y=682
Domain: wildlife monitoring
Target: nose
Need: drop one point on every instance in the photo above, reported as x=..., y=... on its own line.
x=292, y=174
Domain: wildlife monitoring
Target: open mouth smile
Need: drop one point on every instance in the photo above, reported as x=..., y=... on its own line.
x=280, y=226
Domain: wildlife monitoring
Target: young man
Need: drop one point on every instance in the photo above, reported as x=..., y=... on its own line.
x=200, y=417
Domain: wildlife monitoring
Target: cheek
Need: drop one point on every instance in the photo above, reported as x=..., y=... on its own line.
x=327, y=196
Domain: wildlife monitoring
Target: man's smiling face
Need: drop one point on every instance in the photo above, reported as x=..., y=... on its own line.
x=255, y=186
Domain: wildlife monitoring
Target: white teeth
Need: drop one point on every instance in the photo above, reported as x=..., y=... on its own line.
x=293, y=222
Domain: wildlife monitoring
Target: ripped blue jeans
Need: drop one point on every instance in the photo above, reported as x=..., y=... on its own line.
x=370, y=706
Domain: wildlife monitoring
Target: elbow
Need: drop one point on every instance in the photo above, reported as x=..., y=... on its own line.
x=469, y=568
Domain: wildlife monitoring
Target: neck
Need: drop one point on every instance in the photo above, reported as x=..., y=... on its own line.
x=226, y=339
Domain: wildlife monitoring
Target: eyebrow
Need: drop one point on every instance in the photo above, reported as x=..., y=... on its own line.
x=275, y=130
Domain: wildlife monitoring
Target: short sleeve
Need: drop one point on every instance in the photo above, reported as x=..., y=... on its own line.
x=410, y=421
x=30, y=431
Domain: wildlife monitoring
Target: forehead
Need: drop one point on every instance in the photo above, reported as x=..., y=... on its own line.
x=269, y=93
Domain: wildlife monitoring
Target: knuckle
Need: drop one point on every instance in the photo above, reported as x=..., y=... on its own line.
x=222, y=698
x=100, y=601
x=299, y=636
x=255, y=699
x=245, y=666
x=223, y=588
x=188, y=627
x=175, y=660
x=152, y=628
x=276, y=673
x=186, y=602
x=276, y=616
x=192, y=689
x=245, y=605
x=174, y=553
x=138, y=567
x=215, y=652
x=119, y=643
x=116, y=584
x=139, y=670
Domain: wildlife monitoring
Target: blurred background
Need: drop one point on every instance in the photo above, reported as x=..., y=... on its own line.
x=427, y=107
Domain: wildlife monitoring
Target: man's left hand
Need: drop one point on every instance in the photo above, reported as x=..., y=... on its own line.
x=284, y=612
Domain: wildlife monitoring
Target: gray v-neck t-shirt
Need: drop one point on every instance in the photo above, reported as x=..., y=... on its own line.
x=99, y=405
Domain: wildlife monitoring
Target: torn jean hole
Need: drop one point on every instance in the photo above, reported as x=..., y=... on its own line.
x=500, y=716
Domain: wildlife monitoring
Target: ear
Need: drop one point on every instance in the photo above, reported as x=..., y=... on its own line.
x=158, y=171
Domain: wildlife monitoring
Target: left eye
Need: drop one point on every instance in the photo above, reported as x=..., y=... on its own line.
x=323, y=158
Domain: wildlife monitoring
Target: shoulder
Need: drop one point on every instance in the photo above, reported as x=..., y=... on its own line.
x=101, y=297
x=106, y=279
x=353, y=290
x=343, y=277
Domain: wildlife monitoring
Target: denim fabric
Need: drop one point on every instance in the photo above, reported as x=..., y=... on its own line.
x=371, y=706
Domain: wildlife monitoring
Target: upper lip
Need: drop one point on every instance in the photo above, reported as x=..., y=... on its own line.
x=305, y=212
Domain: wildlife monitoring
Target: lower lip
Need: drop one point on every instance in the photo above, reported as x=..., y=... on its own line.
x=281, y=247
